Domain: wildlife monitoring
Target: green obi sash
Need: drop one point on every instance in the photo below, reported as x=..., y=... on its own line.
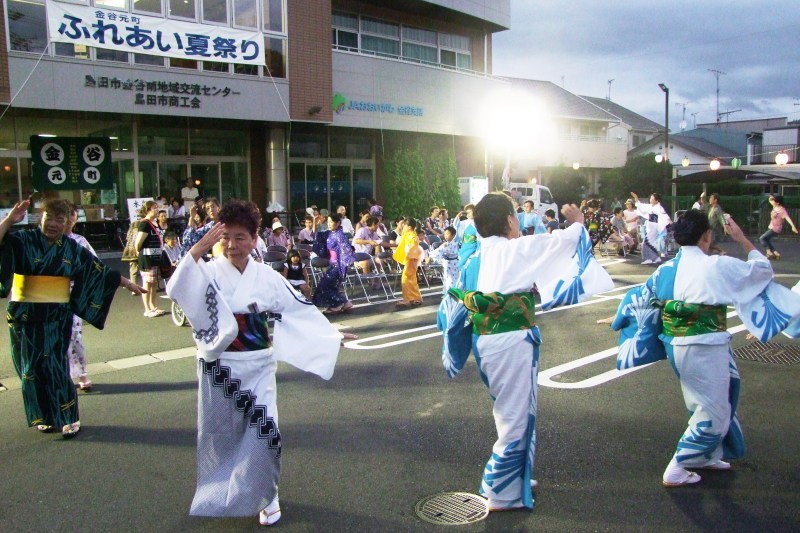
x=494, y=312
x=683, y=319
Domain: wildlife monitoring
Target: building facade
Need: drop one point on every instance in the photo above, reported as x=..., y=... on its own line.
x=341, y=84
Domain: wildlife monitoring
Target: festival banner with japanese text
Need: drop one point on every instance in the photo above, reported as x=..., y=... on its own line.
x=70, y=163
x=127, y=32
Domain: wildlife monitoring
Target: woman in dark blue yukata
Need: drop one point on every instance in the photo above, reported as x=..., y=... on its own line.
x=329, y=293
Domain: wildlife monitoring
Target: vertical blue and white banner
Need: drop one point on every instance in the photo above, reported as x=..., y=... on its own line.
x=127, y=32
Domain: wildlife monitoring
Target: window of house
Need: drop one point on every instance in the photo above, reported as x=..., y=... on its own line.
x=245, y=13
x=147, y=6
x=147, y=59
x=345, y=32
x=215, y=11
x=637, y=140
x=273, y=15
x=102, y=54
x=215, y=66
x=182, y=9
x=27, y=26
x=420, y=45
x=380, y=38
x=276, y=57
x=112, y=4
x=78, y=51
x=455, y=51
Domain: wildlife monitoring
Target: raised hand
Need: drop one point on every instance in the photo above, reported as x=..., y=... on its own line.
x=207, y=242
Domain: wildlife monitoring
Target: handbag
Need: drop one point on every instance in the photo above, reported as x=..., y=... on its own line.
x=166, y=266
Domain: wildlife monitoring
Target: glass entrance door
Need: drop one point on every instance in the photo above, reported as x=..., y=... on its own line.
x=208, y=174
x=316, y=187
x=340, y=186
x=171, y=179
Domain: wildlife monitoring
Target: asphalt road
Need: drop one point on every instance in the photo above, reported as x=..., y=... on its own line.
x=389, y=429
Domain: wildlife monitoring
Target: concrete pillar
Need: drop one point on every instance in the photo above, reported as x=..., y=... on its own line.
x=277, y=166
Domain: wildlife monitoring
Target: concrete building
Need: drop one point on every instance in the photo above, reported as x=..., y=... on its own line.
x=341, y=83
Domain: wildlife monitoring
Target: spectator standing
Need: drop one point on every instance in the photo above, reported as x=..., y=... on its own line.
x=700, y=204
x=776, y=219
x=462, y=221
x=189, y=193
x=148, y=245
x=551, y=224
x=408, y=253
x=716, y=220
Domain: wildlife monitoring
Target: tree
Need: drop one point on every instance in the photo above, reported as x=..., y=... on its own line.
x=567, y=185
x=416, y=179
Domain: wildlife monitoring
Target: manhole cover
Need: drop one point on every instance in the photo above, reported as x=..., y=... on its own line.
x=770, y=352
x=452, y=508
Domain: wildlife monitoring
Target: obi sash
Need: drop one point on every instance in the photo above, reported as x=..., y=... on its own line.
x=253, y=333
x=682, y=319
x=494, y=312
x=40, y=289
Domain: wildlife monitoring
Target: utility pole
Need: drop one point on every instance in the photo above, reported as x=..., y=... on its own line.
x=717, y=74
x=694, y=120
x=683, y=116
x=609, y=88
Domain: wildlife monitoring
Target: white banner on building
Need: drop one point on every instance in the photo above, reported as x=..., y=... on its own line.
x=127, y=32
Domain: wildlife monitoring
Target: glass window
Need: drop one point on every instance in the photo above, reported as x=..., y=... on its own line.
x=308, y=145
x=297, y=187
x=345, y=40
x=147, y=6
x=175, y=62
x=234, y=180
x=456, y=42
x=248, y=70
x=159, y=140
x=380, y=46
x=43, y=125
x=103, y=54
x=448, y=58
x=464, y=61
x=343, y=20
x=79, y=51
x=147, y=59
x=7, y=133
x=245, y=14
x=215, y=11
x=276, y=57
x=26, y=25
x=119, y=133
x=419, y=35
x=112, y=4
x=9, y=187
x=182, y=8
x=218, y=141
x=351, y=147
x=26, y=180
x=380, y=27
x=418, y=52
x=215, y=66
x=273, y=15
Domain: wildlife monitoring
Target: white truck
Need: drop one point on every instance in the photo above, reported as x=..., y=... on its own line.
x=473, y=188
x=539, y=194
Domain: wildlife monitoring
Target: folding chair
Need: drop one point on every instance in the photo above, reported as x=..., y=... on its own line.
x=275, y=259
x=375, y=275
x=318, y=267
x=278, y=248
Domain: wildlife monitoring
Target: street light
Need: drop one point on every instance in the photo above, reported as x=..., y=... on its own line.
x=685, y=163
x=667, y=171
x=715, y=164
x=781, y=159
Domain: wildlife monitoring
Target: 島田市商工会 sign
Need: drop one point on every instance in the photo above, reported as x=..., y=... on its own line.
x=68, y=163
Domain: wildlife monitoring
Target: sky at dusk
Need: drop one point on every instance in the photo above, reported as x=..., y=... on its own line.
x=642, y=43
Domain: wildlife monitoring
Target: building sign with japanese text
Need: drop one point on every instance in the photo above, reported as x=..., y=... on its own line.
x=161, y=93
x=125, y=32
x=68, y=163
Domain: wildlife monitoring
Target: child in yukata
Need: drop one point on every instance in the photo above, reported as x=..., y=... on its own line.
x=447, y=256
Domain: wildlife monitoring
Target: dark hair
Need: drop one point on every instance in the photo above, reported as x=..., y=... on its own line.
x=169, y=234
x=308, y=218
x=491, y=215
x=364, y=212
x=778, y=198
x=690, y=227
x=656, y=196
x=240, y=213
x=412, y=223
x=291, y=254
x=399, y=220
x=715, y=196
x=335, y=217
x=213, y=200
x=371, y=220
x=434, y=208
x=550, y=213
x=450, y=229
x=594, y=204
x=162, y=211
x=617, y=210
x=528, y=202
x=57, y=207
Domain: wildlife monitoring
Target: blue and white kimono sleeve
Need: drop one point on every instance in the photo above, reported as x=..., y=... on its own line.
x=639, y=325
x=774, y=310
x=453, y=321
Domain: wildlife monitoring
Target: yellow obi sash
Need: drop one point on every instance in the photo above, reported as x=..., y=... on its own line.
x=40, y=289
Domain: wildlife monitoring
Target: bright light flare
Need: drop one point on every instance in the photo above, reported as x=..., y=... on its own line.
x=515, y=123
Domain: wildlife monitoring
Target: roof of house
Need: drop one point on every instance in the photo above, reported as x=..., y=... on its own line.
x=562, y=103
x=634, y=120
x=701, y=147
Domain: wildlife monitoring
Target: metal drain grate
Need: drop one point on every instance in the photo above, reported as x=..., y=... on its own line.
x=770, y=352
x=453, y=508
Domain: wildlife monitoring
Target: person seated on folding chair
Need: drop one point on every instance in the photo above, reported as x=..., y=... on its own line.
x=367, y=241
x=447, y=256
x=295, y=273
x=306, y=235
x=619, y=236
